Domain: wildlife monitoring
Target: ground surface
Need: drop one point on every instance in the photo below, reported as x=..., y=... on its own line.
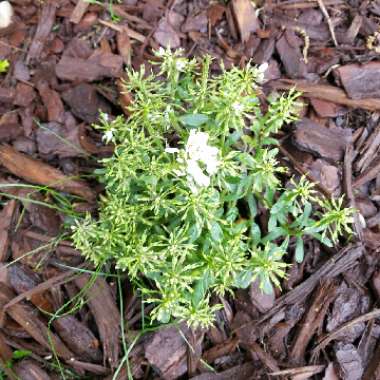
x=66, y=61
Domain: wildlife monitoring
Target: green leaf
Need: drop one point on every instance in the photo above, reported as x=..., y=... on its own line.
x=19, y=354
x=232, y=214
x=274, y=234
x=4, y=65
x=269, y=141
x=216, y=232
x=299, y=250
x=201, y=287
x=233, y=180
x=163, y=315
x=266, y=285
x=306, y=213
x=194, y=120
x=194, y=232
x=255, y=232
x=323, y=239
x=272, y=223
x=252, y=205
x=243, y=279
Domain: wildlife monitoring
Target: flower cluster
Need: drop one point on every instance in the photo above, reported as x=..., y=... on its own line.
x=198, y=161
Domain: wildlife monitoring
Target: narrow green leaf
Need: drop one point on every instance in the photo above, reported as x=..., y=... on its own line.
x=201, y=287
x=194, y=120
x=216, y=232
x=19, y=354
x=243, y=279
x=299, y=250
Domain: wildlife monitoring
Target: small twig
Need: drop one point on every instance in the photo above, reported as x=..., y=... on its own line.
x=60, y=279
x=348, y=189
x=309, y=370
x=79, y=11
x=325, y=340
x=131, y=33
x=303, y=4
x=328, y=19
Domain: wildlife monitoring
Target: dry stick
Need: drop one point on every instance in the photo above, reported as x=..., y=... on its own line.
x=48, y=284
x=79, y=11
x=348, y=188
x=373, y=367
x=265, y=357
x=131, y=33
x=325, y=92
x=308, y=370
x=322, y=298
x=304, y=4
x=325, y=340
x=368, y=174
x=328, y=19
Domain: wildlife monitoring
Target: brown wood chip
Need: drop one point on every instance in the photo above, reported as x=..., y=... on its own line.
x=106, y=314
x=45, y=24
x=39, y=173
x=326, y=92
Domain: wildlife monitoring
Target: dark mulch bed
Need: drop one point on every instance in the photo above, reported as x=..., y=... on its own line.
x=67, y=59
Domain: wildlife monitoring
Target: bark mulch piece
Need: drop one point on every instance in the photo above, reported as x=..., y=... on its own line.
x=361, y=81
x=329, y=143
x=103, y=307
x=39, y=173
x=166, y=351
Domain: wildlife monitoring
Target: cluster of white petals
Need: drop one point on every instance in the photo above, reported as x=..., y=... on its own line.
x=199, y=159
x=6, y=14
x=261, y=72
x=108, y=135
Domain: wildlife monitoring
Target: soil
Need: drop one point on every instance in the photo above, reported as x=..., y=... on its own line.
x=67, y=60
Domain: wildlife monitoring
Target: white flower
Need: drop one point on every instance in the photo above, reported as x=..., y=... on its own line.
x=167, y=112
x=213, y=163
x=108, y=135
x=237, y=107
x=105, y=117
x=6, y=14
x=196, y=156
x=362, y=220
x=261, y=72
x=196, y=174
x=180, y=64
x=171, y=150
x=196, y=146
x=263, y=67
x=160, y=52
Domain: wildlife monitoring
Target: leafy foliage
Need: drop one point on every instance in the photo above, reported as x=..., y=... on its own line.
x=192, y=165
x=4, y=65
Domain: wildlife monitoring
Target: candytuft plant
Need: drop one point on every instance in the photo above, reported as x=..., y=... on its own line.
x=194, y=165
